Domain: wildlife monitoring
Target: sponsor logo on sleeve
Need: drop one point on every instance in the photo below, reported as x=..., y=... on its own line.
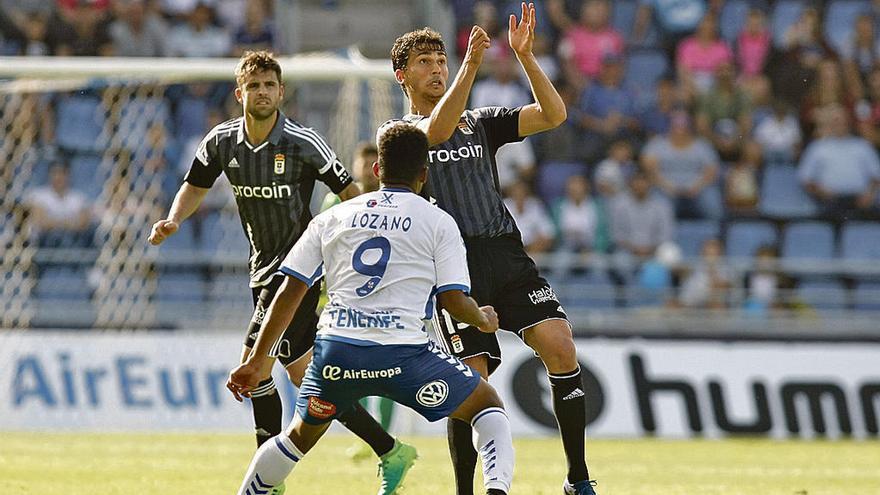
x=321, y=409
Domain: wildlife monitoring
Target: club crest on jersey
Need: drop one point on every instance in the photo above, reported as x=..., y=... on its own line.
x=279, y=163
x=464, y=127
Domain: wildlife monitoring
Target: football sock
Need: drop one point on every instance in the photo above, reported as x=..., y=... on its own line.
x=570, y=407
x=267, y=410
x=359, y=421
x=493, y=441
x=386, y=412
x=463, y=455
x=271, y=464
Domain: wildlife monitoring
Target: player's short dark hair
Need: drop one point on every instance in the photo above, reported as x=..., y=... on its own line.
x=420, y=39
x=253, y=62
x=403, y=153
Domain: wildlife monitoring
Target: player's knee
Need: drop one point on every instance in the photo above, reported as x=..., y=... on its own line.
x=488, y=396
x=557, y=351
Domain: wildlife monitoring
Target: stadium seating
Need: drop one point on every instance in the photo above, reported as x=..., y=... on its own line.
x=181, y=286
x=691, y=234
x=782, y=195
x=623, y=16
x=840, y=18
x=733, y=18
x=643, y=69
x=744, y=238
x=822, y=295
x=85, y=175
x=785, y=13
x=183, y=243
x=813, y=240
x=860, y=240
x=866, y=296
x=591, y=291
x=63, y=283
x=190, y=117
x=80, y=121
x=136, y=117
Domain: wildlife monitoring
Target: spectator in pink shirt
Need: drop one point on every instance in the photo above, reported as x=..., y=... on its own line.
x=753, y=44
x=586, y=43
x=700, y=55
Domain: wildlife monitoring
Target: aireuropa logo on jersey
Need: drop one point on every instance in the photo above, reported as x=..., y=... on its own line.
x=274, y=191
x=334, y=373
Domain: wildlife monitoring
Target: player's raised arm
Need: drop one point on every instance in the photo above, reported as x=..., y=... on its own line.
x=186, y=202
x=278, y=316
x=548, y=111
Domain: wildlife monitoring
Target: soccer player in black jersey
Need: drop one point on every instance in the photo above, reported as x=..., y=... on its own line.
x=463, y=179
x=272, y=163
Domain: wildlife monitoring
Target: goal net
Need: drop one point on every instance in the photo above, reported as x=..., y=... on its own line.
x=125, y=131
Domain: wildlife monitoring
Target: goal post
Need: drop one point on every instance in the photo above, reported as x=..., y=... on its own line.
x=125, y=127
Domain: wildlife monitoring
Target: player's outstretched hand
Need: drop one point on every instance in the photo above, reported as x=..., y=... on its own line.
x=478, y=43
x=244, y=379
x=491, y=325
x=522, y=36
x=161, y=230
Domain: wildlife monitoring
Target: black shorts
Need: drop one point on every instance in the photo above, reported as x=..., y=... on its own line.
x=504, y=276
x=299, y=336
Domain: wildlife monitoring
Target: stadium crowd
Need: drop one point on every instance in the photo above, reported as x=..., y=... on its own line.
x=704, y=130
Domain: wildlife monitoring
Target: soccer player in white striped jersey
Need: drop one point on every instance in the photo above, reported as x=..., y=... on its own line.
x=386, y=254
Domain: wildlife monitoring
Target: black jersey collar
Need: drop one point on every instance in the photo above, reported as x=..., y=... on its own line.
x=274, y=136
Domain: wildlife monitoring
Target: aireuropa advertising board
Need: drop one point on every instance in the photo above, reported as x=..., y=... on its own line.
x=161, y=381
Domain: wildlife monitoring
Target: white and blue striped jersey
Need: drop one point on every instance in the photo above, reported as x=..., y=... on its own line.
x=385, y=255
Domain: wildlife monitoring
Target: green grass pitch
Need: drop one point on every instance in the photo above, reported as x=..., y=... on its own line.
x=177, y=464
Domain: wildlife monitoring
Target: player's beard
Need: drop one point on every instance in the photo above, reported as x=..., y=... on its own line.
x=262, y=113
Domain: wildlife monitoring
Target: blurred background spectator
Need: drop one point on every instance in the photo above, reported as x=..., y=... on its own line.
x=687, y=117
x=686, y=168
x=587, y=42
x=698, y=57
x=742, y=185
x=840, y=170
x=199, y=36
x=706, y=285
x=138, y=31
x=583, y=224
x=641, y=221
x=60, y=216
x=607, y=110
x=531, y=217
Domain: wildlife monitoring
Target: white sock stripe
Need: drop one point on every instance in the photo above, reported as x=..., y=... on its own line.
x=480, y=415
x=287, y=447
x=264, y=390
x=562, y=377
